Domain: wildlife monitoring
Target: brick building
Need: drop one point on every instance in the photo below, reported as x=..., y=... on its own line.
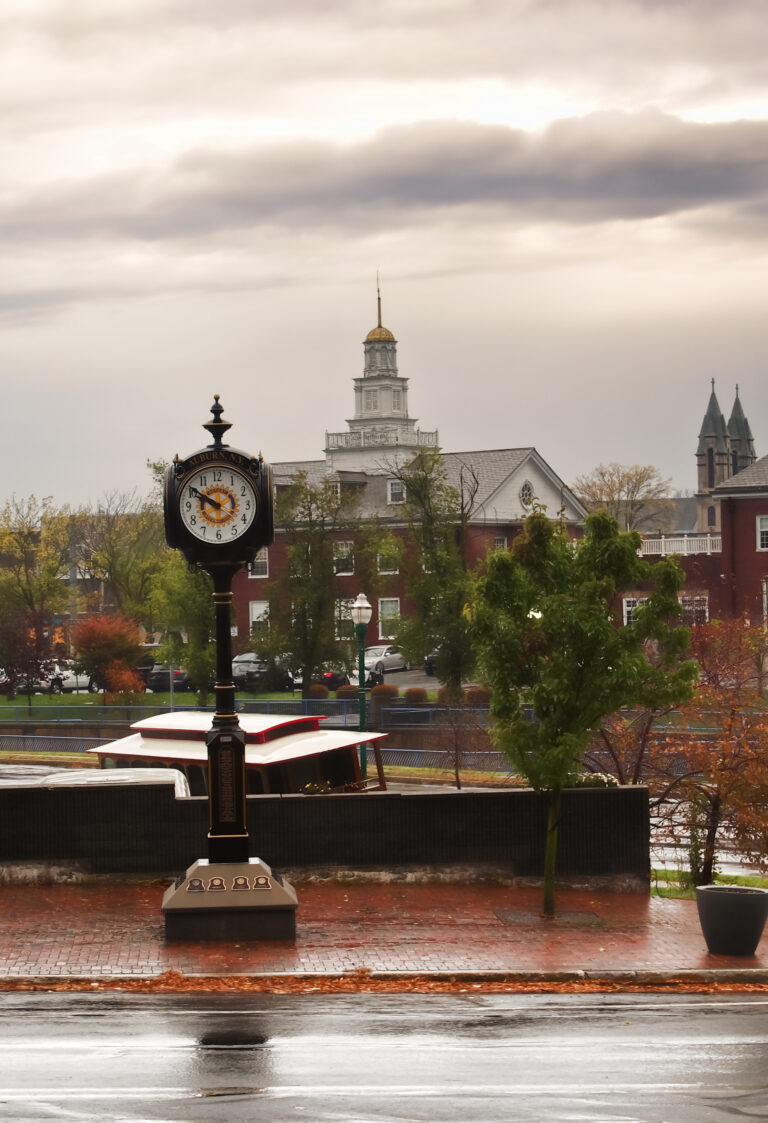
x=726, y=557
x=381, y=436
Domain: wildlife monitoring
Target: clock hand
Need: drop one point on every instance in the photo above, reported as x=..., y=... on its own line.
x=205, y=498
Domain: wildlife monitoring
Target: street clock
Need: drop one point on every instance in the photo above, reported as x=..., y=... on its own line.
x=218, y=502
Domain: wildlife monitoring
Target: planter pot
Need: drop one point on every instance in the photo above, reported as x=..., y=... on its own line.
x=732, y=917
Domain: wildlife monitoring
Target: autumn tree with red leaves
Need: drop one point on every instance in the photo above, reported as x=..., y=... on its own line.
x=107, y=647
x=717, y=764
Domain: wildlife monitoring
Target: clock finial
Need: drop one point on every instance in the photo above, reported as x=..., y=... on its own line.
x=218, y=427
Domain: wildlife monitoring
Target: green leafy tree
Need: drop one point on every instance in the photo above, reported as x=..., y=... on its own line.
x=182, y=605
x=550, y=649
x=438, y=581
x=120, y=545
x=304, y=613
x=36, y=552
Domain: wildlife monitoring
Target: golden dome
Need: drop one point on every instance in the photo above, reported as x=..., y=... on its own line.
x=379, y=335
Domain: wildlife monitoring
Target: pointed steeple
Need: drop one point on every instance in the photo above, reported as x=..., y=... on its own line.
x=740, y=437
x=714, y=432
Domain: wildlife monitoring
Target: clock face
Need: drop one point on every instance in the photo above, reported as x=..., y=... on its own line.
x=217, y=503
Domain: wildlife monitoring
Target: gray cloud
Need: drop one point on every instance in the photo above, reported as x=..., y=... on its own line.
x=604, y=167
x=192, y=52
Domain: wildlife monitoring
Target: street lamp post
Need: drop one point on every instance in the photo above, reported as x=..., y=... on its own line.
x=361, y=614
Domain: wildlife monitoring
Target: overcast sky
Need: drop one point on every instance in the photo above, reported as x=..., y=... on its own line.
x=567, y=202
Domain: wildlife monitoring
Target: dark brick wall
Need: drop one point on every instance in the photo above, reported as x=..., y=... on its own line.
x=144, y=829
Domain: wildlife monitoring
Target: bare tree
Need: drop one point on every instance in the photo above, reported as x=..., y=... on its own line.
x=636, y=495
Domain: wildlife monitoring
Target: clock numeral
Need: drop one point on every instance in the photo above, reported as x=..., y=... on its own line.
x=203, y=481
x=235, y=528
x=193, y=520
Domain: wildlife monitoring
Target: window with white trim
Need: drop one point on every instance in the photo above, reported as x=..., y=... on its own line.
x=500, y=542
x=389, y=615
x=397, y=399
x=371, y=400
x=526, y=493
x=629, y=605
x=258, y=616
x=344, y=558
x=387, y=563
x=345, y=628
x=762, y=532
x=395, y=491
x=695, y=608
x=259, y=567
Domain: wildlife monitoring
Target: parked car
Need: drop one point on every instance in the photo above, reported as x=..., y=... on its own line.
x=72, y=680
x=332, y=677
x=384, y=657
x=430, y=661
x=251, y=672
x=159, y=679
x=50, y=679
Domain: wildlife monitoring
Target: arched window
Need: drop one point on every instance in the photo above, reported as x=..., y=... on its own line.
x=711, y=516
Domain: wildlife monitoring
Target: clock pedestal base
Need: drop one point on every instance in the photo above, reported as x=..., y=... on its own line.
x=230, y=901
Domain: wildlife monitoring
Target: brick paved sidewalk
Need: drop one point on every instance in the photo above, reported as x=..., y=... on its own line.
x=109, y=930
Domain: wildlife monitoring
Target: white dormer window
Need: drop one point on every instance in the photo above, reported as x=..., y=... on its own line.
x=395, y=491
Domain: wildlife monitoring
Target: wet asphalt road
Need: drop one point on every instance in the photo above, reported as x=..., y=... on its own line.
x=345, y=1058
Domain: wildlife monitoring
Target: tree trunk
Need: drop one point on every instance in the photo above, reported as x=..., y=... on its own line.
x=457, y=768
x=554, y=799
x=713, y=822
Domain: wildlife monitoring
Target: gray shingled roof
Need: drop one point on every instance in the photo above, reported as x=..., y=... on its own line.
x=753, y=478
x=492, y=467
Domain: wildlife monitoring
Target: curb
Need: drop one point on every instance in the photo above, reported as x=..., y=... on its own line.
x=362, y=980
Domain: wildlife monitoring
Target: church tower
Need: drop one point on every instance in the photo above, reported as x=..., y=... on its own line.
x=723, y=450
x=381, y=430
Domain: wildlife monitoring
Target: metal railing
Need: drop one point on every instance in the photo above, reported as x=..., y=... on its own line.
x=35, y=743
x=684, y=544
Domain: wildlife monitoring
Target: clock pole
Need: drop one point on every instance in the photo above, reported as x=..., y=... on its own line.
x=225, y=741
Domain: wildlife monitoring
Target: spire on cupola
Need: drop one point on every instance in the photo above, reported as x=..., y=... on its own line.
x=379, y=334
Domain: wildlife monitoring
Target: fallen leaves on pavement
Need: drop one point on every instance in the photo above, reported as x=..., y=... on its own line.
x=172, y=982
